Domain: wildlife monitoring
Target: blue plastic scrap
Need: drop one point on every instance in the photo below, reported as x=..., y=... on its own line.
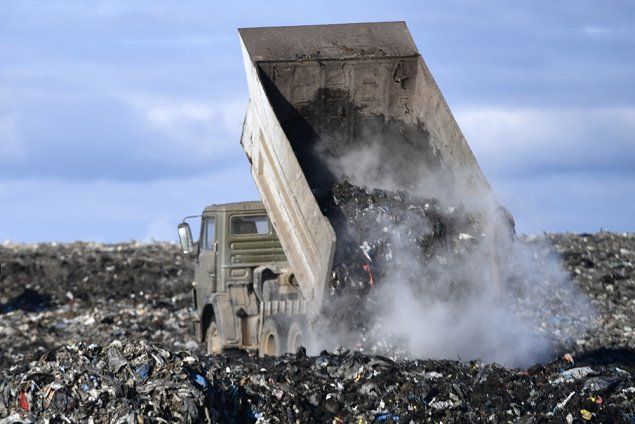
x=385, y=417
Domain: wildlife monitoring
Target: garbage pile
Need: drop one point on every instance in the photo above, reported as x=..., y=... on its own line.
x=46, y=351
x=348, y=386
x=133, y=381
x=91, y=271
x=52, y=294
x=127, y=382
x=603, y=266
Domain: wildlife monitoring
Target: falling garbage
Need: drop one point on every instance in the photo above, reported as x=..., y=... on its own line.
x=379, y=223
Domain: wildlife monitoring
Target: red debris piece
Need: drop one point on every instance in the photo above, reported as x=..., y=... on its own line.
x=23, y=401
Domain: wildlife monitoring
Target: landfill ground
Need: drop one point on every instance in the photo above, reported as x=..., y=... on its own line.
x=101, y=333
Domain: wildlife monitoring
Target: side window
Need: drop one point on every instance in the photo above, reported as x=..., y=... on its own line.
x=208, y=234
x=250, y=225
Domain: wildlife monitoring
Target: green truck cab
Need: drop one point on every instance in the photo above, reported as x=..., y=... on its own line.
x=244, y=293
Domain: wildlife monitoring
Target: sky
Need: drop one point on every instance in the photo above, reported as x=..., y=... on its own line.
x=119, y=118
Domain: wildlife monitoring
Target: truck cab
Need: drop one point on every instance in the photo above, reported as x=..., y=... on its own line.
x=242, y=282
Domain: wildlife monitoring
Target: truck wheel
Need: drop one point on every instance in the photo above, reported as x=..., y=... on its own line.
x=214, y=343
x=273, y=337
x=295, y=338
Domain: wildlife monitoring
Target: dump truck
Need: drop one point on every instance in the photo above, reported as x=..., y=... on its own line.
x=326, y=103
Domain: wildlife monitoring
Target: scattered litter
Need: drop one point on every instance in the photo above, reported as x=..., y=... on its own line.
x=75, y=382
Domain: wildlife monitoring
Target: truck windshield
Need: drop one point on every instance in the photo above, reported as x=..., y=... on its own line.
x=250, y=225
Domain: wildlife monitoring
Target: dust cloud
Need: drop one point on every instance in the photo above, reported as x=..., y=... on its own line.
x=485, y=295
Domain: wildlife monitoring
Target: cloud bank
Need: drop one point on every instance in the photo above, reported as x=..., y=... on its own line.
x=104, y=98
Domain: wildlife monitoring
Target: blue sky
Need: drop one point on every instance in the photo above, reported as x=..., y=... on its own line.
x=118, y=118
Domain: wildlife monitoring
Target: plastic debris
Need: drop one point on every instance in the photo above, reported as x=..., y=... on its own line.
x=600, y=384
x=23, y=401
x=586, y=415
x=596, y=399
x=562, y=404
x=573, y=374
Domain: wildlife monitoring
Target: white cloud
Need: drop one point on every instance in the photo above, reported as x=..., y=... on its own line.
x=173, y=115
x=558, y=169
x=519, y=140
x=198, y=128
x=113, y=136
x=61, y=210
x=597, y=30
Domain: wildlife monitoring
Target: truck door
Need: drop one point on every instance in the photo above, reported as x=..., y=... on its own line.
x=205, y=271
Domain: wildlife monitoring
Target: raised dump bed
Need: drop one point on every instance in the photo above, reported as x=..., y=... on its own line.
x=354, y=102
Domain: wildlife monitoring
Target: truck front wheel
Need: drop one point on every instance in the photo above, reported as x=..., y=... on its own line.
x=273, y=337
x=214, y=344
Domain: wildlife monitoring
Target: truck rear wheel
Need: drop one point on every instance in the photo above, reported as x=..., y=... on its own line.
x=295, y=338
x=273, y=337
x=214, y=343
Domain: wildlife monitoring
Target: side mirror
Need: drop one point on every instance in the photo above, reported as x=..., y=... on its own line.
x=185, y=238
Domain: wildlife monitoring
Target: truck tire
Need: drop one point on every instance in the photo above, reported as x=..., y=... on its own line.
x=273, y=337
x=214, y=342
x=295, y=339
